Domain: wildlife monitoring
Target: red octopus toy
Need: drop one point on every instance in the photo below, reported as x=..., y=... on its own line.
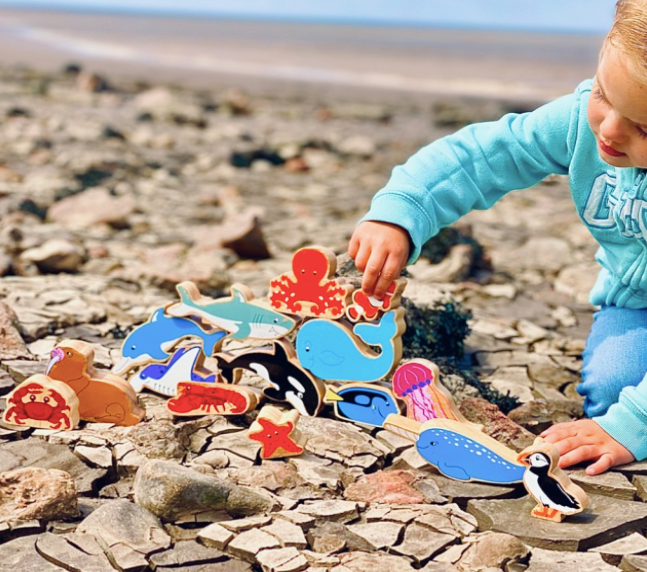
x=310, y=289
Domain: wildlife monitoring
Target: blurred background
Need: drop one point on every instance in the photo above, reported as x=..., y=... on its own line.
x=520, y=49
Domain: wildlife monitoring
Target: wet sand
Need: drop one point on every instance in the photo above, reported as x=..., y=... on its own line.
x=378, y=61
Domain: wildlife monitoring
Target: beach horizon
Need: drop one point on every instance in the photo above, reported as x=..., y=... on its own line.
x=374, y=62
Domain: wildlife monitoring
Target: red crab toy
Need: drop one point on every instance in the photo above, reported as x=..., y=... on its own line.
x=44, y=403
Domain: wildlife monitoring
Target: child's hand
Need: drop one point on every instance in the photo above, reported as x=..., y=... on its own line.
x=585, y=440
x=380, y=250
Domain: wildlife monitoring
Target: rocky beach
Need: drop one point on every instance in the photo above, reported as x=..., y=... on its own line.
x=114, y=189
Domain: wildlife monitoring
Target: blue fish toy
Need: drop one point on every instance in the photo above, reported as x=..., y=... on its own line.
x=332, y=352
x=153, y=340
x=362, y=403
x=460, y=451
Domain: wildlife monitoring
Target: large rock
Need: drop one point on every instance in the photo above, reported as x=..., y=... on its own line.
x=604, y=520
x=172, y=491
x=34, y=493
x=56, y=255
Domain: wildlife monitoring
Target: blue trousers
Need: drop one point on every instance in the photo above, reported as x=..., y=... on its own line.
x=615, y=357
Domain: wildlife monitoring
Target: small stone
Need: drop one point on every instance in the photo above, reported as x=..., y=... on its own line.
x=287, y=533
x=609, y=484
x=392, y=487
x=242, y=524
x=249, y=543
x=186, y=553
x=12, y=345
x=215, y=536
x=640, y=482
x=378, y=535
x=56, y=255
x=65, y=553
x=21, y=555
x=613, y=552
x=448, y=519
x=90, y=208
x=95, y=456
x=551, y=560
x=330, y=510
x=421, y=544
x=304, y=521
x=633, y=563
x=491, y=551
x=282, y=560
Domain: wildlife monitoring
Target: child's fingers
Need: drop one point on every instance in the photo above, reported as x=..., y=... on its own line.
x=390, y=271
x=372, y=272
x=604, y=463
x=353, y=247
x=579, y=455
x=362, y=256
x=567, y=426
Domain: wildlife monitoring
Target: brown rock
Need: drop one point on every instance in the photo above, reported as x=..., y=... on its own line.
x=491, y=551
x=538, y=415
x=91, y=207
x=391, y=487
x=34, y=493
x=241, y=233
x=12, y=346
x=496, y=424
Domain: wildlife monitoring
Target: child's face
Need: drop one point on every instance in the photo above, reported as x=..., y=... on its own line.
x=617, y=112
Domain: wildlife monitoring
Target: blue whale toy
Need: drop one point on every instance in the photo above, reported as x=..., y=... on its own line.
x=332, y=352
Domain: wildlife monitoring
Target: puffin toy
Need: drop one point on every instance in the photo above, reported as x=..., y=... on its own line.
x=556, y=495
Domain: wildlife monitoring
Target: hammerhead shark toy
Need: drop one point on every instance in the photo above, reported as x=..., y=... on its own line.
x=237, y=314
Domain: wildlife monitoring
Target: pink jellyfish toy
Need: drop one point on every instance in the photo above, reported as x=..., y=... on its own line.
x=418, y=383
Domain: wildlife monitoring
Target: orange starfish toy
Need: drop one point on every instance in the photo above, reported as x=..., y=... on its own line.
x=276, y=432
x=103, y=396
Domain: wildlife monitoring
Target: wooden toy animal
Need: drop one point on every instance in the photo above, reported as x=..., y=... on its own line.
x=238, y=314
x=103, y=397
x=556, y=495
x=418, y=383
x=276, y=431
x=42, y=402
x=459, y=451
x=311, y=289
x=186, y=364
x=362, y=403
x=332, y=352
x=154, y=340
x=195, y=398
x=365, y=307
x=289, y=382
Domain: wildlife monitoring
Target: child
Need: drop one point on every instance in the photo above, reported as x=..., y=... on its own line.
x=598, y=137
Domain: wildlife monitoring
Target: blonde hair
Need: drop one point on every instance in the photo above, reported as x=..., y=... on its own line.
x=629, y=34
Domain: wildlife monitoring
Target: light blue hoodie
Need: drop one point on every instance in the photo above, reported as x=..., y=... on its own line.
x=475, y=167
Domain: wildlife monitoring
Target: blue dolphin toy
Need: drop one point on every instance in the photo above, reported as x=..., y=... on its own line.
x=332, y=352
x=153, y=340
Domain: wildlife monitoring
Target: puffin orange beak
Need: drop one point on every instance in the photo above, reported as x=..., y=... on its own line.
x=523, y=459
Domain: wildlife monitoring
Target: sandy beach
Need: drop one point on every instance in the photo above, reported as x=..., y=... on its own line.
x=382, y=61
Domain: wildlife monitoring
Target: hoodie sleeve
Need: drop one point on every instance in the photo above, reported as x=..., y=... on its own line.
x=475, y=167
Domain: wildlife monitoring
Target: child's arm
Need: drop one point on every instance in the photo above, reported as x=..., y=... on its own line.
x=584, y=440
x=468, y=170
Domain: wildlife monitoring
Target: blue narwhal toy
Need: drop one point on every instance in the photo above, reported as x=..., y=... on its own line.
x=460, y=451
x=362, y=403
x=332, y=352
